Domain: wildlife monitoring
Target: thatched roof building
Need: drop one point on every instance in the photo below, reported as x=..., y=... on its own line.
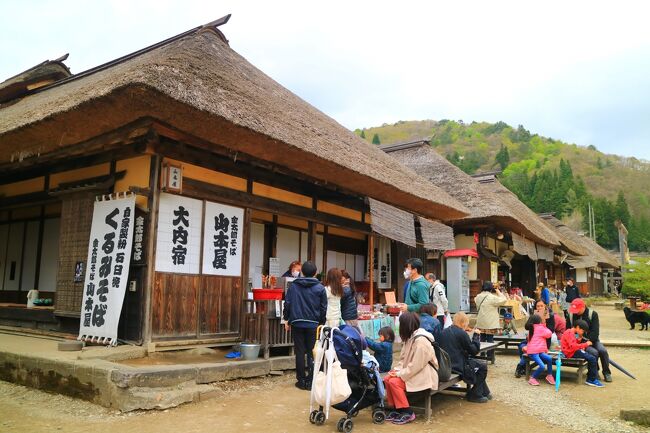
x=593, y=253
x=488, y=201
x=195, y=82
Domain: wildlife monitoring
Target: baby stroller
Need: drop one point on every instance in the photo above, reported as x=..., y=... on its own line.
x=364, y=380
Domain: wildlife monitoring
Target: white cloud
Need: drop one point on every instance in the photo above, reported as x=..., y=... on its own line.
x=558, y=67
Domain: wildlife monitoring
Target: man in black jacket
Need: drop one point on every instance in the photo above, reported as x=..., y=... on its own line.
x=572, y=292
x=578, y=311
x=455, y=341
x=305, y=307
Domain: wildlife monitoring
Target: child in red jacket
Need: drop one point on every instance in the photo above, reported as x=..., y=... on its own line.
x=574, y=347
x=537, y=350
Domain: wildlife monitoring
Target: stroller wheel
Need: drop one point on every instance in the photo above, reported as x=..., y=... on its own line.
x=339, y=425
x=312, y=416
x=378, y=416
x=319, y=418
x=348, y=425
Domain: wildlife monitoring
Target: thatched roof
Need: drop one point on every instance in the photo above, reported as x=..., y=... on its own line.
x=600, y=254
x=592, y=252
x=569, y=239
x=523, y=213
x=196, y=83
x=37, y=76
x=492, y=204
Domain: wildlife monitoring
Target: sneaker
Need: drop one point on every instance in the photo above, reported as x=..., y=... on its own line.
x=393, y=415
x=300, y=385
x=404, y=418
x=233, y=355
x=489, y=396
x=608, y=377
x=519, y=371
x=533, y=381
x=595, y=383
x=550, y=379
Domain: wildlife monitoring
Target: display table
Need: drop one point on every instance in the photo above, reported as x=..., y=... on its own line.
x=261, y=324
x=370, y=328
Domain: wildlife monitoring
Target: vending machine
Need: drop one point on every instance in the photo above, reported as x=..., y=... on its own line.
x=458, y=278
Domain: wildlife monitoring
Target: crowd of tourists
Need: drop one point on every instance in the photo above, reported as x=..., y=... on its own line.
x=425, y=322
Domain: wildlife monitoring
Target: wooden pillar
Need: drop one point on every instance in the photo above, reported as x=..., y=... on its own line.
x=311, y=242
x=371, y=269
x=152, y=204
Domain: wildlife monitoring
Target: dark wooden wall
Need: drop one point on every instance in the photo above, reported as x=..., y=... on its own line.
x=192, y=306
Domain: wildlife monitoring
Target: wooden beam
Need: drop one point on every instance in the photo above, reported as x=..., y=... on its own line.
x=371, y=269
x=126, y=141
x=152, y=203
x=259, y=171
x=311, y=242
x=238, y=198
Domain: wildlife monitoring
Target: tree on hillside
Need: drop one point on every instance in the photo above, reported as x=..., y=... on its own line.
x=503, y=157
x=520, y=134
x=375, y=139
x=363, y=134
x=621, y=209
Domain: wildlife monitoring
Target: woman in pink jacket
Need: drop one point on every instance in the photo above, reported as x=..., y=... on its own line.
x=538, y=351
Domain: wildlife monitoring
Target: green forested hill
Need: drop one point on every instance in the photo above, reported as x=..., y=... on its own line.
x=547, y=174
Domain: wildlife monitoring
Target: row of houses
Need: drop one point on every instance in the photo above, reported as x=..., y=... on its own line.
x=231, y=177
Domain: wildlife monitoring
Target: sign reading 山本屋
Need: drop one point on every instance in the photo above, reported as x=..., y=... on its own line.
x=222, y=240
x=107, y=270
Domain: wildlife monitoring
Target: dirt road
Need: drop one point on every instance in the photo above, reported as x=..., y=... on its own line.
x=273, y=404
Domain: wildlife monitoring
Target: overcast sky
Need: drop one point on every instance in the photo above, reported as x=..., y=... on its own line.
x=572, y=70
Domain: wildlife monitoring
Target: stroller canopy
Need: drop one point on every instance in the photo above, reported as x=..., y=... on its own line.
x=348, y=344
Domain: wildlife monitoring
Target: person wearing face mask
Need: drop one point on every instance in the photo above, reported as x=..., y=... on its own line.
x=418, y=290
x=294, y=270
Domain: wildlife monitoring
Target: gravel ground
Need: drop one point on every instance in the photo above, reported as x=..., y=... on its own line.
x=573, y=407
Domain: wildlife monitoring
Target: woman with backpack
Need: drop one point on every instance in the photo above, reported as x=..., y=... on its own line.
x=415, y=371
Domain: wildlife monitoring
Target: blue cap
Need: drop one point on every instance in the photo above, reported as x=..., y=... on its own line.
x=507, y=316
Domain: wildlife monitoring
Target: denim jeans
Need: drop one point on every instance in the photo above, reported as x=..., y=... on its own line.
x=544, y=361
x=592, y=364
x=599, y=351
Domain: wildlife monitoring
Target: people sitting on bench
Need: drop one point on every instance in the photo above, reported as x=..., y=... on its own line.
x=415, y=371
x=578, y=311
x=457, y=343
x=574, y=345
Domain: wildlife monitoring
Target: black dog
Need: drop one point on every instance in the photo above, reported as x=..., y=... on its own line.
x=635, y=317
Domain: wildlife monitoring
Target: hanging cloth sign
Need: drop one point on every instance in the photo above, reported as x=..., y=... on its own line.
x=222, y=242
x=178, y=241
x=107, y=273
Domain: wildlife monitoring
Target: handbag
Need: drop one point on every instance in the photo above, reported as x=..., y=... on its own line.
x=340, y=389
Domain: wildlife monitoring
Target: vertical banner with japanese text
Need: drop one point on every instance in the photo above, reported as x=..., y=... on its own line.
x=222, y=242
x=178, y=242
x=107, y=270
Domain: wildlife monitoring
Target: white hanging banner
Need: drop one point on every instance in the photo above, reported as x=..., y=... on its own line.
x=107, y=273
x=222, y=242
x=178, y=241
x=382, y=254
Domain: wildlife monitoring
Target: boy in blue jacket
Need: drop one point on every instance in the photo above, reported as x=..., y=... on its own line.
x=305, y=307
x=383, y=348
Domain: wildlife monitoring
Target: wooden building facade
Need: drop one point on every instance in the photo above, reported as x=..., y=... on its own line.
x=188, y=107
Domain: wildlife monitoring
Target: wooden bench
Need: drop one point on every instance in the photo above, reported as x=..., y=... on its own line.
x=578, y=363
x=510, y=341
x=428, y=394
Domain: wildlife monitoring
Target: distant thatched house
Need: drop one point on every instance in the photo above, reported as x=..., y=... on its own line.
x=514, y=244
x=185, y=121
x=593, y=267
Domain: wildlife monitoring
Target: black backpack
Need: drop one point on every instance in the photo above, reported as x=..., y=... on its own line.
x=444, y=361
